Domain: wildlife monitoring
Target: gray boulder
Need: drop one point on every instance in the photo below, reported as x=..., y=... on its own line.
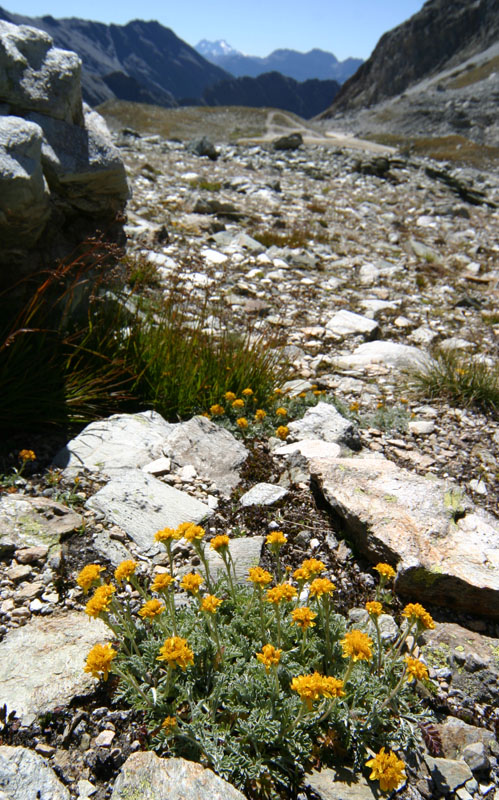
x=290, y=142
x=24, y=775
x=203, y=147
x=325, y=423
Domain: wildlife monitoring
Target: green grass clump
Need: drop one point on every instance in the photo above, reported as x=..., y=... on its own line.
x=207, y=186
x=461, y=380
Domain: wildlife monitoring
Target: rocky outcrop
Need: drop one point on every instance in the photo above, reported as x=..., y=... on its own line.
x=443, y=33
x=61, y=178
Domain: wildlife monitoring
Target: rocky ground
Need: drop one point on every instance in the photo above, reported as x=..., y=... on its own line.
x=365, y=266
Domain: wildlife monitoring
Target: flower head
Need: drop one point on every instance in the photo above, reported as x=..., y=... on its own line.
x=217, y=410
x=276, y=539
x=230, y=396
x=238, y=403
x=99, y=660
x=387, y=769
x=167, y=534
x=312, y=687
x=247, y=392
x=332, y=687
x=89, y=574
x=193, y=532
x=124, y=570
x=269, y=656
x=168, y=724
x=283, y=591
x=100, y=600
x=191, y=582
x=300, y=575
x=161, y=582
x=357, y=646
x=220, y=542
x=374, y=609
x=281, y=412
x=416, y=613
x=303, y=617
x=210, y=603
x=259, y=576
x=320, y=586
x=242, y=422
x=260, y=415
x=282, y=432
x=176, y=652
x=313, y=567
x=416, y=669
x=151, y=609
x=385, y=570
x=27, y=455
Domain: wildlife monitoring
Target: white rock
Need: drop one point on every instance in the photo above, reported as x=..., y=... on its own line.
x=390, y=354
x=324, y=422
x=346, y=323
x=310, y=448
x=263, y=494
x=24, y=775
x=214, y=257
x=421, y=427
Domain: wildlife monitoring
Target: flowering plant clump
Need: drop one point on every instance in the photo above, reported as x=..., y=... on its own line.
x=257, y=679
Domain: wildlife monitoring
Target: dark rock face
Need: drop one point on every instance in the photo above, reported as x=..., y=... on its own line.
x=306, y=99
x=141, y=61
x=442, y=34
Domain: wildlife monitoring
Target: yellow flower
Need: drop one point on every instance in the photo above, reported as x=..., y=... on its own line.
x=99, y=660
x=282, y=432
x=167, y=534
x=284, y=591
x=193, y=532
x=124, y=570
x=259, y=576
x=242, y=422
x=229, y=396
x=312, y=687
x=300, y=575
x=354, y=407
x=278, y=392
x=320, y=586
x=357, y=646
x=89, y=574
x=276, y=538
x=281, y=412
x=220, y=542
x=168, y=724
x=385, y=570
x=27, y=455
x=416, y=613
x=387, y=769
x=312, y=567
x=260, y=415
x=270, y=656
x=100, y=600
x=303, y=617
x=151, y=609
x=217, y=410
x=247, y=392
x=161, y=582
x=210, y=603
x=191, y=582
x=238, y=403
x=332, y=687
x=206, y=415
x=181, y=529
x=416, y=669
x=176, y=653
x=374, y=609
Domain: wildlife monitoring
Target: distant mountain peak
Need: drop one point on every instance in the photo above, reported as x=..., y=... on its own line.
x=215, y=49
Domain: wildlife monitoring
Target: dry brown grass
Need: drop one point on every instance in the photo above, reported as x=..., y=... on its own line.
x=473, y=73
x=453, y=148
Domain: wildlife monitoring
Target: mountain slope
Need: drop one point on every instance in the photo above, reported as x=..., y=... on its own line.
x=307, y=99
x=148, y=61
x=443, y=33
x=300, y=66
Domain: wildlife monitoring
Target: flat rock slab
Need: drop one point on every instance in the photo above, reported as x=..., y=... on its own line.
x=24, y=775
x=448, y=775
x=215, y=454
x=309, y=448
x=122, y=441
x=446, y=550
x=342, y=784
x=263, y=494
x=33, y=521
x=346, y=323
x=456, y=735
x=388, y=354
x=53, y=650
x=245, y=553
x=146, y=776
x=141, y=505
x=325, y=423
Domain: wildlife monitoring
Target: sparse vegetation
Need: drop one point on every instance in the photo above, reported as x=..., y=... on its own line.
x=453, y=148
x=474, y=73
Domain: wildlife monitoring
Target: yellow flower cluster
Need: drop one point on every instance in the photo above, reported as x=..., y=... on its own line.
x=88, y=575
x=312, y=567
x=161, y=582
x=229, y=396
x=374, y=609
x=151, y=609
x=281, y=412
x=167, y=534
x=220, y=542
x=217, y=410
x=168, y=724
x=191, y=582
x=303, y=617
x=416, y=669
x=282, y=432
x=176, y=652
x=283, y=591
x=247, y=392
x=124, y=570
x=269, y=656
x=210, y=603
x=357, y=646
x=238, y=403
x=27, y=455
x=276, y=538
x=192, y=532
x=387, y=769
x=259, y=576
x=99, y=660
x=260, y=415
x=312, y=687
x=242, y=423
x=320, y=586
x=385, y=570
x=100, y=600
x=416, y=613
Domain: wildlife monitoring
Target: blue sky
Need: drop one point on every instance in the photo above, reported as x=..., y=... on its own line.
x=344, y=27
